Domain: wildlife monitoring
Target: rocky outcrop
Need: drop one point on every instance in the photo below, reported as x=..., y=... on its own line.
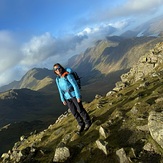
x=122, y=158
x=155, y=124
x=147, y=64
x=103, y=145
x=61, y=154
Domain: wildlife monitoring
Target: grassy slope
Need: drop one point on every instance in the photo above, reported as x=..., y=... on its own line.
x=116, y=109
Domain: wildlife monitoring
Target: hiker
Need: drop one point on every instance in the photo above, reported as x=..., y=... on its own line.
x=70, y=96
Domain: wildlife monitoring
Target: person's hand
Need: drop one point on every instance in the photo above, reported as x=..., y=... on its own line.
x=64, y=103
x=78, y=100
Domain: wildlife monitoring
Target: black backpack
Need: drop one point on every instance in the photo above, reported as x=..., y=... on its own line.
x=77, y=78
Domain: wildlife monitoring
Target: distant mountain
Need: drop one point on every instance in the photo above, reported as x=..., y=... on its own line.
x=114, y=55
x=35, y=79
x=100, y=65
x=131, y=34
x=153, y=27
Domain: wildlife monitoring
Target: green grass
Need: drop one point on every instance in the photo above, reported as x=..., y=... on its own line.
x=116, y=115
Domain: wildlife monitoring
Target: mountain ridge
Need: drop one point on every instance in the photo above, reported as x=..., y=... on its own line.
x=152, y=27
x=33, y=79
x=107, y=54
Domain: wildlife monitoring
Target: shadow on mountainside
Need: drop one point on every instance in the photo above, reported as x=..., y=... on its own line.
x=14, y=131
x=99, y=84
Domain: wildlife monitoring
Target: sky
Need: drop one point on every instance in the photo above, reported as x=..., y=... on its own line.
x=39, y=33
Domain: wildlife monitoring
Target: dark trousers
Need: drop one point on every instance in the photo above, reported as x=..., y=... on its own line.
x=78, y=112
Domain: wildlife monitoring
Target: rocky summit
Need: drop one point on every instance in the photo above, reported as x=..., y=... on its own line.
x=127, y=124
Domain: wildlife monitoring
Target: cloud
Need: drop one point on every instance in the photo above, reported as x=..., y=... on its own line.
x=142, y=6
x=39, y=51
x=9, y=51
x=10, y=55
x=134, y=8
x=129, y=9
x=102, y=30
x=138, y=8
x=121, y=15
x=11, y=74
x=40, y=48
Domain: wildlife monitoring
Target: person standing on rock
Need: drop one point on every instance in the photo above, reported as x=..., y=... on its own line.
x=70, y=95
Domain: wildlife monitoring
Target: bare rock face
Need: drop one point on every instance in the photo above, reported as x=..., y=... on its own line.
x=155, y=124
x=103, y=145
x=122, y=156
x=146, y=65
x=61, y=154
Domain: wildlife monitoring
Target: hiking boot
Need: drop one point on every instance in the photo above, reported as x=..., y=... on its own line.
x=80, y=130
x=87, y=126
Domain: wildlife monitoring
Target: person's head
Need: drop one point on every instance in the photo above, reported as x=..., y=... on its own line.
x=58, y=69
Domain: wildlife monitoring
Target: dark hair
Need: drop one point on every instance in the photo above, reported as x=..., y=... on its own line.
x=58, y=64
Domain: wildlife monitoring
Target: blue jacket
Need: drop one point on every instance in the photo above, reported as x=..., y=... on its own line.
x=67, y=87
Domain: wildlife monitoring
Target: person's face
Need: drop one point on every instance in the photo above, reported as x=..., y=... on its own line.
x=57, y=69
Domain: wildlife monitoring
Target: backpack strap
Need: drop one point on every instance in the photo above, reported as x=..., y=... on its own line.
x=65, y=74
